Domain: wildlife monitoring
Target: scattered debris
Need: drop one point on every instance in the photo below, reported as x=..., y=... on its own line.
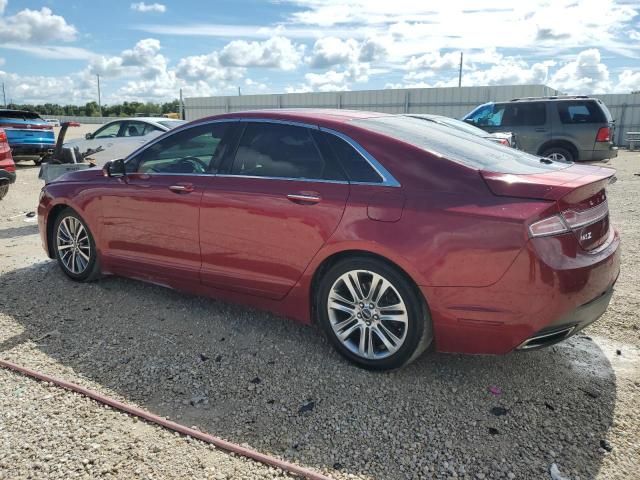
x=307, y=407
x=203, y=357
x=52, y=333
x=495, y=390
x=591, y=393
x=337, y=466
x=549, y=406
x=618, y=352
x=271, y=402
x=555, y=473
x=604, y=443
x=256, y=380
x=198, y=400
x=499, y=411
x=218, y=358
x=30, y=214
x=493, y=431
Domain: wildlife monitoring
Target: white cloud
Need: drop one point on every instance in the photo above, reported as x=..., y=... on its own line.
x=585, y=74
x=148, y=7
x=330, y=51
x=276, y=52
x=53, y=51
x=2, y=60
x=35, y=26
x=3, y=5
x=628, y=81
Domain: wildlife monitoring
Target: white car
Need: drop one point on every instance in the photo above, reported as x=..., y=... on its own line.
x=118, y=138
x=54, y=122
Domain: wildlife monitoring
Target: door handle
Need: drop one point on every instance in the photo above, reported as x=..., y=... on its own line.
x=181, y=188
x=304, y=198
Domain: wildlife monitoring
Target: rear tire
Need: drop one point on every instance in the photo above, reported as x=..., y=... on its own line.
x=4, y=189
x=372, y=314
x=74, y=247
x=558, y=154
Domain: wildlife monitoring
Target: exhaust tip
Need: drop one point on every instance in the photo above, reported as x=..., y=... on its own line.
x=544, y=339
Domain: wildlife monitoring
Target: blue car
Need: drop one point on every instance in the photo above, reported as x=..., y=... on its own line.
x=30, y=136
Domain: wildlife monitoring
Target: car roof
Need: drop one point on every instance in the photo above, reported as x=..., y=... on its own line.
x=553, y=98
x=302, y=115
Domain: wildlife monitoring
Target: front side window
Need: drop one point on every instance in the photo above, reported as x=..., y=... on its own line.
x=489, y=115
x=192, y=151
x=108, y=131
x=280, y=151
x=580, y=112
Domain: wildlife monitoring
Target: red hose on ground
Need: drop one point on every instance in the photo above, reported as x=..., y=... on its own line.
x=176, y=427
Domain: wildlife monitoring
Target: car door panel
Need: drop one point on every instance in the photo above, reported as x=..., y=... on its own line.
x=258, y=235
x=152, y=228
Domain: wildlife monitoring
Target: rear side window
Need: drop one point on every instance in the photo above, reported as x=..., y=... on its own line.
x=580, y=112
x=280, y=151
x=457, y=146
x=354, y=165
x=524, y=114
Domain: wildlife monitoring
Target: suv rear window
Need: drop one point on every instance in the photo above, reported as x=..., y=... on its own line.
x=580, y=112
x=460, y=147
x=20, y=114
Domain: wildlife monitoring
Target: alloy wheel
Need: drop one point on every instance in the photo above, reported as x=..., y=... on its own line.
x=74, y=247
x=557, y=157
x=367, y=314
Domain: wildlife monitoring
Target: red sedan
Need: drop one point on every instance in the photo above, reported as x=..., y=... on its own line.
x=389, y=232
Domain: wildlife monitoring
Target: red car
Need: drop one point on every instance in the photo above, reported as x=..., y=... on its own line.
x=391, y=233
x=7, y=166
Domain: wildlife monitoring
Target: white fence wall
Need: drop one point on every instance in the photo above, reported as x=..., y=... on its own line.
x=452, y=102
x=67, y=118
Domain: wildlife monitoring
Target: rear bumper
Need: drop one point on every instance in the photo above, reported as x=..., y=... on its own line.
x=7, y=176
x=569, y=324
x=31, y=149
x=602, y=151
x=549, y=286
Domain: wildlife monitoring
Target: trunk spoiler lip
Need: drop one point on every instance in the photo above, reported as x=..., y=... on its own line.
x=546, y=186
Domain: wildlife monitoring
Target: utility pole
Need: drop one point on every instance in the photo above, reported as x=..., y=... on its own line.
x=99, y=104
x=181, y=106
x=460, y=72
x=4, y=96
x=239, y=93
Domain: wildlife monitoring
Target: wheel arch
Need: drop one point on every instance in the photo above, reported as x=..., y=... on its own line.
x=560, y=143
x=331, y=259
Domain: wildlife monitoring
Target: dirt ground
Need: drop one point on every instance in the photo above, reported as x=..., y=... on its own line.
x=260, y=380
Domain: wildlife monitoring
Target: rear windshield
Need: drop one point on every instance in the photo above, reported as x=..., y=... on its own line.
x=459, y=146
x=172, y=123
x=22, y=115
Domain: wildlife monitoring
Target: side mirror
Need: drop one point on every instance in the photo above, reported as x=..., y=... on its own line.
x=88, y=136
x=114, y=168
x=470, y=121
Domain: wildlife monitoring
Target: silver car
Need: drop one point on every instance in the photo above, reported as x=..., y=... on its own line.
x=118, y=138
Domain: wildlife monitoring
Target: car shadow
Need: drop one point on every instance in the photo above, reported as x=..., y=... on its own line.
x=21, y=231
x=253, y=378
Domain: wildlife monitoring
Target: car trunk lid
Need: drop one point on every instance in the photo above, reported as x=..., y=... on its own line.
x=578, y=191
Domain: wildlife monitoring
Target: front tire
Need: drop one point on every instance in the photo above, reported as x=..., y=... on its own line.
x=74, y=247
x=372, y=314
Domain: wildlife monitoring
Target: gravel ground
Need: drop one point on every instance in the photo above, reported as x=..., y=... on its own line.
x=256, y=379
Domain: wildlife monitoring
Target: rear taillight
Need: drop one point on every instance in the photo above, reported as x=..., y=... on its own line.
x=577, y=219
x=549, y=226
x=569, y=220
x=3, y=136
x=604, y=135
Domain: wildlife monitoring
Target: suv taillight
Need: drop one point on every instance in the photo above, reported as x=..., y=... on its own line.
x=604, y=135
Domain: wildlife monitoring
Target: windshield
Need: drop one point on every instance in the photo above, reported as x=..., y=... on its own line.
x=459, y=146
x=172, y=123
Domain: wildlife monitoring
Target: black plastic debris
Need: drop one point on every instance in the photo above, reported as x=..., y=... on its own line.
x=606, y=445
x=256, y=380
x=307, y=407
x=203, y=357
x=499, y=411
x=493, y=431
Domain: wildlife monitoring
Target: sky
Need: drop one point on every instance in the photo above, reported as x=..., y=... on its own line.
x=52, y=50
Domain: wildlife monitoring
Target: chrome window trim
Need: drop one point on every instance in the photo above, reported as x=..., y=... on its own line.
x=388, y=180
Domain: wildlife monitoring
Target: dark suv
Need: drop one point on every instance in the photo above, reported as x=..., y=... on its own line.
x=576, y=128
